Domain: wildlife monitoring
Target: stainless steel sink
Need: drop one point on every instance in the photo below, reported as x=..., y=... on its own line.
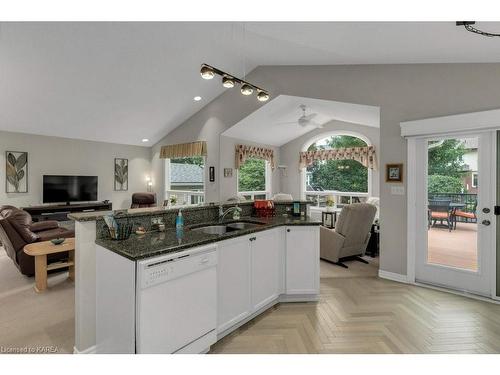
x=211, y=229
x=224, y=228
x=243, y=225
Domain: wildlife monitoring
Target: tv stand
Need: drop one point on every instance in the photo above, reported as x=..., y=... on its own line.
x=60, y=212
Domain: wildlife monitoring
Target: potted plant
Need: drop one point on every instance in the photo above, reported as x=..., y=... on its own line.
x=173, y=199
x=330, y=203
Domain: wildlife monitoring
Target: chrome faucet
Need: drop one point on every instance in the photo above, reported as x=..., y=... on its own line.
x=223, y=213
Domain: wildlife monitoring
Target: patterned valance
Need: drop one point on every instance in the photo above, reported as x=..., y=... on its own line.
x=244, y=152
x=184, y=150
x=364, y=155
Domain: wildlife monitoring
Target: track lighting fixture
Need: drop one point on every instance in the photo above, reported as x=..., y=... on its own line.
x=229, y=81
x=468, y=26
x=207, y=72
x=246, y=89
x=262, y=96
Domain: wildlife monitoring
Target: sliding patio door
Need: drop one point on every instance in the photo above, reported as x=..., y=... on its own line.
x=455, y=218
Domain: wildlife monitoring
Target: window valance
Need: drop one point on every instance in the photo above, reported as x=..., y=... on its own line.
x=184, y=150
x=244, y=152
x=364, y=155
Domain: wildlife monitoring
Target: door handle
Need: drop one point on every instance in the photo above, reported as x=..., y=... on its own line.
x=288, y=230
x=486, y=222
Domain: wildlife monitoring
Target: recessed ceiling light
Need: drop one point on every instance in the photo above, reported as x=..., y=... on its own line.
x=145, y=140
x=197, y=98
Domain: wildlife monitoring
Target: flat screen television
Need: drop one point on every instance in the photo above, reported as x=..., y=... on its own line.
x=58, y=189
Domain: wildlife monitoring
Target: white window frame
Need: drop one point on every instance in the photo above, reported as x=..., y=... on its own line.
x=337, y=194
x=186, y=193
x=474, y=185
x=268, y=182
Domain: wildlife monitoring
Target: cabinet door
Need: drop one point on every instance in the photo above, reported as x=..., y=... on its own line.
x=233, y=282
x=267, y=267
x=302, y=260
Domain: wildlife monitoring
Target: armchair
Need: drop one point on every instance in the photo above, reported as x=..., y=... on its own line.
x=18, y=230
x=350, y=236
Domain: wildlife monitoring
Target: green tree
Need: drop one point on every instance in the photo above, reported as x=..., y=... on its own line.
x=252, y=175
x=340, y=175
x=444, y=184
x=198, y=160
x=446, y=158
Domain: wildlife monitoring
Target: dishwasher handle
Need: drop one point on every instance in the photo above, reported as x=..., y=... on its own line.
x=170, y=269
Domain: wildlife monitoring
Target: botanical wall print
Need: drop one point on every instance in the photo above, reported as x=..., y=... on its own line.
x=121, y=174
x=16, y=172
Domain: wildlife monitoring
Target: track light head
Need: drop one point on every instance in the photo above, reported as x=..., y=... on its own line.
x=246, y=89
x=228, y=82
x=207, y=72
x=262, y=96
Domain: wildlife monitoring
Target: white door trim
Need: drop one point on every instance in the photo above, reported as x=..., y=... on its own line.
x=454, y=125
x=465, y=122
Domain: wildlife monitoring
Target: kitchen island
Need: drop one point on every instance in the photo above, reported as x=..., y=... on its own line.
x=293, y=244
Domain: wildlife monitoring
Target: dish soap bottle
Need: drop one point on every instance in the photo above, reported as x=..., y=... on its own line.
x=179, y=221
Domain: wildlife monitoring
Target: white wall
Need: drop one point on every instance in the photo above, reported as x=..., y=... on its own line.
x=291, y=183
x=229, y=185
x=54, y=155
x=403, y=92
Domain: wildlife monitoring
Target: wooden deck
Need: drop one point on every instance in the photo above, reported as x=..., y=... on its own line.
x=457, y=248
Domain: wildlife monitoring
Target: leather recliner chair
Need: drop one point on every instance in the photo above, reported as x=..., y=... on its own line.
x=17, y=230
x=143, y=200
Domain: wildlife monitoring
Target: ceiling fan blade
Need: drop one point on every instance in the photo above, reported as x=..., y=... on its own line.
x=310, y=116
x=316, y=124
x=286, y=123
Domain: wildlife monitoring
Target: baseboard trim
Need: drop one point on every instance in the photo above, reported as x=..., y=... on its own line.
x=392, y=276
x=91, y=350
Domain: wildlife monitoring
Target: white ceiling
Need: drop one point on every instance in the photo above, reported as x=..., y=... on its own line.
x=121, y=82
x=266, y=125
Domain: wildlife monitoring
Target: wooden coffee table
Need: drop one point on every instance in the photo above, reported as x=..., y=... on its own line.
x=40, y=250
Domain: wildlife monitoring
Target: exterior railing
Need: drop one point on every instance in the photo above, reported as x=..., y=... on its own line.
x=341, y=198
x=252, y=195
x=469, y=200
x=186, y=197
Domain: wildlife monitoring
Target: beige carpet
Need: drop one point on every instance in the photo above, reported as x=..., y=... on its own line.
x=39, y=322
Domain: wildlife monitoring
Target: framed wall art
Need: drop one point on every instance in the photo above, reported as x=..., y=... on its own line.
x=121, y=174
x=16, y=173
x=394, y=173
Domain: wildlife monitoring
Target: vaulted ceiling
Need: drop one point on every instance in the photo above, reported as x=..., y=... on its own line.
x=122, y=82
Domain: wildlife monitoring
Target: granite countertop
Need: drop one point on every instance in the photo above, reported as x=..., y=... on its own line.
x=152, y=244
x=136, y=212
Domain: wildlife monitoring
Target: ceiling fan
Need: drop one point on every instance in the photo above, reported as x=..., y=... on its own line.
x=304, y=120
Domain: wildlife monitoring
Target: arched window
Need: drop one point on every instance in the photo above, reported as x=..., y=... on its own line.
x=347, y=180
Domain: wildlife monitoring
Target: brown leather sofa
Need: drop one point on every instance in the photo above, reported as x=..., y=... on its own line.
x=142, y=200
x=18, y=230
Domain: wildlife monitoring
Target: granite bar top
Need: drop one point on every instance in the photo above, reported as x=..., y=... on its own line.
x=152, y=244
x=137, y=212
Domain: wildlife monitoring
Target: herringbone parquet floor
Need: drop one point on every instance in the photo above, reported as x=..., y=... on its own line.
x=360, y=313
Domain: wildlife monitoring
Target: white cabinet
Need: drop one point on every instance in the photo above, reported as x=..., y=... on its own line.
x=233, y=282
x=255, y=270
x=267, y=267
x=302, y=260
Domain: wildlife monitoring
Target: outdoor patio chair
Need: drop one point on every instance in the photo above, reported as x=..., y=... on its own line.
x=467, y=215
x=440, y=210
